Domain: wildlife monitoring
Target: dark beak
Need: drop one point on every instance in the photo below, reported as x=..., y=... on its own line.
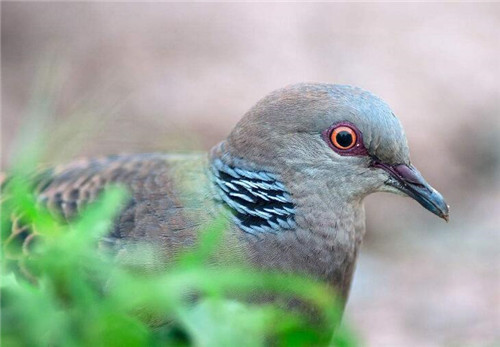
x=407, y=179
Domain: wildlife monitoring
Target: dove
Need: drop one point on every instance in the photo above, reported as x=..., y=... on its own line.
x=290, y=179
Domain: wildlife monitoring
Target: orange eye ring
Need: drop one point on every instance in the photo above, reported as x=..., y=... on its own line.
x=343, y=137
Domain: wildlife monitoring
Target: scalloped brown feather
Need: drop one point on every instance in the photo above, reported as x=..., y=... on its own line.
x=160, y=207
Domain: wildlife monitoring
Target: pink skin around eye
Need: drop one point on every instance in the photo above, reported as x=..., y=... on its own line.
x=357, y=149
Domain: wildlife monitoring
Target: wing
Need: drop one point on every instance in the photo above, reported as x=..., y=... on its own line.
x=160, y=208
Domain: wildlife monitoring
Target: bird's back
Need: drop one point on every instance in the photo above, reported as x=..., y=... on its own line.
x=170, y=197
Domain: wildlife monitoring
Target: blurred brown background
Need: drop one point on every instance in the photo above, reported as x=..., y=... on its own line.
x=159, y=77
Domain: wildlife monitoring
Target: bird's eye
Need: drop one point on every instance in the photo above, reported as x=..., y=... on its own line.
x=343, y=137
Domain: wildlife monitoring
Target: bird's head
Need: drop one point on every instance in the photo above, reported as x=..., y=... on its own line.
x=344, y=139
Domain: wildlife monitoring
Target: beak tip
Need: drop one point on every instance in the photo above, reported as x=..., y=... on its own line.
x=446, y=215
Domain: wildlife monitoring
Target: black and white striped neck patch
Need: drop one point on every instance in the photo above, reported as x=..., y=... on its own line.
x=258, y=200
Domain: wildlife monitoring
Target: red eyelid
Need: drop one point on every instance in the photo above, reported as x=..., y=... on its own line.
x=358, y=149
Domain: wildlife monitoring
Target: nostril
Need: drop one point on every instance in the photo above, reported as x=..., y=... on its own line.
x=409, y=174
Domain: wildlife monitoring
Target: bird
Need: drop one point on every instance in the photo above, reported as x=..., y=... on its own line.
x=290, y=179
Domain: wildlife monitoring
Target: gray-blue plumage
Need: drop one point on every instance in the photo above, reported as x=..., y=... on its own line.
x=291, y=178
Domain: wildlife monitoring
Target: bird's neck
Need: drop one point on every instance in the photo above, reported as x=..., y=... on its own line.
x=322, y=210
x=259, y=201
x=266, y=200
x=289, y=219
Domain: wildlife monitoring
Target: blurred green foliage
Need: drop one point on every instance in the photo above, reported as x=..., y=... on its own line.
x=81, y=297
